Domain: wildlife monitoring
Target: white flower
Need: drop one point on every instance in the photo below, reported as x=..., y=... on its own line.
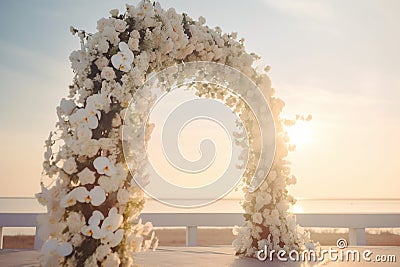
x=145, y=9
x=68, y=200
x=75, y=221
x=112, y=260
x=49, y=225
x=262, y=199
x=88, y=84
x=76, y=240
x=116, y=121
x=106, y=143
x=103, y=166
x=69, y=166
x=119, y=25
x=135, y=242
x=101, y=63
x=90, y=147
x=86, y=176
x=93, y=229
x=103, y=45
x=109, y=184
x=97, y=102
x=113, y=221
x=52, y=246
x=202, y=20
x=148, y=226
x=257, y=218
x=96, y=218
x=67, y=106
x=123, y=60
x=114, y=12
x=113, y=239
x=123, y=196
x=79, y=61
x=102, y=251
x=109, y=225
x=96, y=196
x=83, y=133
x=44, y=196
x=77, y=194
x=101, y=23
x=83, y=116
x=111, y=34
x=108, y=73
x=133, y=44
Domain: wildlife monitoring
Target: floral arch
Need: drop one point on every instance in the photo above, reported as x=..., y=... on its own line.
x=95, y=200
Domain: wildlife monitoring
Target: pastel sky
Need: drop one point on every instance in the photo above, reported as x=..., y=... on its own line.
x=337, y=60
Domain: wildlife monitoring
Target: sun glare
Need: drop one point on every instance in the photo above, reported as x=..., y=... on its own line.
x=300, y=133
x=297, y=209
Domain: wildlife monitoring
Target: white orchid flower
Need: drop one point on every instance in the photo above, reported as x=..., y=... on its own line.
x=69, y=199
x=97, y=102
x=109, y=225
x=93, y=228
x=52, y=246
x=67, y=106
x=80, y=194
x=44, y=195
x=103, y=166
x=113, y=239
x=96, y=196
x=139, y=227
x=96, y=218
x=123, y=60
x=83, y=116
x=113, y=221
x=93, y=231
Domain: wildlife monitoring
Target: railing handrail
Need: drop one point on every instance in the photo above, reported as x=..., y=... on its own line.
x=356, y=222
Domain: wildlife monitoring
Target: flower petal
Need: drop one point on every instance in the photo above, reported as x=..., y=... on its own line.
x=116, y=60
x=97, y=232
x=49, y=246
x=80, y=193
x=117, y=238
x=100, y=164
x=96, y=217
x=113, y=221
x=86, y=230
x=123, y=46
x=97, y=196
x=93, y=122
x=64, y=249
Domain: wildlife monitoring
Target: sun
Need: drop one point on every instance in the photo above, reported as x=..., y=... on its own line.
x=297, y=209
x=300, y=133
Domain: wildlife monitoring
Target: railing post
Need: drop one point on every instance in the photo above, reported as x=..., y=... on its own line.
x=1, y=237
x=191, y=236
x=38, y=241
x=357, y=237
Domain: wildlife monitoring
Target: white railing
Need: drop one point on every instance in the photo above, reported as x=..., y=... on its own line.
x=356, y=222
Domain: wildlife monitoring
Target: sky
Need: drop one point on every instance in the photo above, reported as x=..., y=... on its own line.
x=337, y=60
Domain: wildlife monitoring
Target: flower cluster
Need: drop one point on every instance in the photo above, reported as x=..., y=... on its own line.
x=94, y=204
